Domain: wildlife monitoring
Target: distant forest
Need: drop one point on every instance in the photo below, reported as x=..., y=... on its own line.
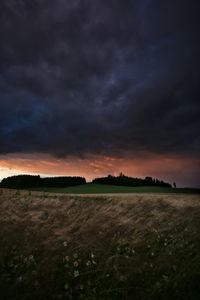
x=130, y=181
x=30, y=181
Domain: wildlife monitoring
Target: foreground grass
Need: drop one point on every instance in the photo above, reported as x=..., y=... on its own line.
x=67, y=247
x=91, y=188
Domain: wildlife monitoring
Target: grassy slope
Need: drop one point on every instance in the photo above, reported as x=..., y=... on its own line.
x=90, y=188
x=142, y=247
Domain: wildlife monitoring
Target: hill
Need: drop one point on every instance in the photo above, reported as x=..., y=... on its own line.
x=92, y=188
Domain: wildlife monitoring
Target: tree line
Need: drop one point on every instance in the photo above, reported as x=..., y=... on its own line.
x=130, y=181
x=29, y=181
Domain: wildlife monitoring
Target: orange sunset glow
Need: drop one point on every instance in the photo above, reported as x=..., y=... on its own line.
x=167, y=168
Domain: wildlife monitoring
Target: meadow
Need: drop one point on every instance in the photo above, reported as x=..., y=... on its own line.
x=127, y=246
x=92, y=188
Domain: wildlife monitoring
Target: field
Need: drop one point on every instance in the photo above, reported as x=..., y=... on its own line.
x=91, y=188
x=141, y=246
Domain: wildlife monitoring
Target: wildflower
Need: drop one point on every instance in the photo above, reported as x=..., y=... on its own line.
x=133, y=251
x=19, y=279
x=31, y=258
x=66, y=286
x=76, y=273
x=88, y=263
x=92, y=255
x=152, y=254
x=75, y=264
x=94, y=262
x=66, y=258
x=65, y=244
x=122, y=278
x=158, y=284
x=166, y=278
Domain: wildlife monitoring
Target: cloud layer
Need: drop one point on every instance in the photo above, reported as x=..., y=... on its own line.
x=100, y=77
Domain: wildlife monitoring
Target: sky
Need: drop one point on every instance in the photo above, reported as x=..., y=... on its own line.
x=100, y=87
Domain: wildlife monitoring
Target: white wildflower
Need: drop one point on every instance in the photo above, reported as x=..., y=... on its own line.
x=122, y=278
x=31, y=258
x=19, y=279
x=76, y=273
x=66, y=258
x=166, y=278
x=75, y=264
x=66, y=286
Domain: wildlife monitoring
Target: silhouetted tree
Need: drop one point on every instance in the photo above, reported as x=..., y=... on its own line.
x=130, y=181
x=29, y=181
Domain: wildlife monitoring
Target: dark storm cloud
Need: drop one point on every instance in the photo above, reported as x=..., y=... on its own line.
x=109, y=77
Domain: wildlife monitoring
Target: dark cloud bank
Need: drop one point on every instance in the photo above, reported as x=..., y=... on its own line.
x=99, y=77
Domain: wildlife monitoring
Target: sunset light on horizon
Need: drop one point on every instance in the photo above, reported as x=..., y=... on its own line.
x=157, y=166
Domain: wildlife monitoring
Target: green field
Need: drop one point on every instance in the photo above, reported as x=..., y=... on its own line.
x=91, y=188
